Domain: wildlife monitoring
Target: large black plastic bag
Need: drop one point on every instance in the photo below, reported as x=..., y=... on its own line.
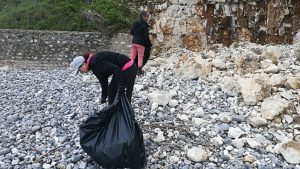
x=112, y=136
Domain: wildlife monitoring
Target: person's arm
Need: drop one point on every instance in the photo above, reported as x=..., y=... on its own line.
x=146, y=37
x=116, y=72
x=103, y=79
x=132, y=28
x=105, y=69
x=131, y=31
x=104, y=85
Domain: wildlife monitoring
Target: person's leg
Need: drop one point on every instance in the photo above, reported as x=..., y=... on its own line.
x=129, y=77
x=112, y=91
x=145, y=58
x=146, y=55
x=140, y=50
x=133, y=51
x=136, y=60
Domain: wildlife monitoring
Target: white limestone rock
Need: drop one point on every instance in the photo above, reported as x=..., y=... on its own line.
x=235, y=132
x=197, y=154
x=290, y=151
x=274, y=106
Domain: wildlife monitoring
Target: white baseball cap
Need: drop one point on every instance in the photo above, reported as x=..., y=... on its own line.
x=76, y=63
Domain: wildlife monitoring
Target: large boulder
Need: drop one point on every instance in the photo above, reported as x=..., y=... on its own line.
x=273, y=53
x=293, y=83
x=274, y=106
x=253, y=90
x=290, y=151
x=247, y=63
x=229, y=85
x=192, y=67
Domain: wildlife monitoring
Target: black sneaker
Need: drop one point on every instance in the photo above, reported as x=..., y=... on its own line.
x=140, y=71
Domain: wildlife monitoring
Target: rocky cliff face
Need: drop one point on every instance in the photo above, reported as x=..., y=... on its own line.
x=196, y=24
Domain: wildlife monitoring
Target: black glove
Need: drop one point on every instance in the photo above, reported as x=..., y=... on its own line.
x=103, y=100
x=122, y=90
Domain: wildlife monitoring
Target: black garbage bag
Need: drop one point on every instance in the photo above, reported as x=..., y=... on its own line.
x=113, y=138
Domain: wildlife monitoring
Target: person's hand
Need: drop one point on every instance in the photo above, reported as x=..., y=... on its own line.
x=103, y=100
x=122, y=90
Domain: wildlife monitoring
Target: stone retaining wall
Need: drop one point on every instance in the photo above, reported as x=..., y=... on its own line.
x=49, y=46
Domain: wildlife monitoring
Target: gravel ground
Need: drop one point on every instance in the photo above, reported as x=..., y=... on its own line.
x=41, y=111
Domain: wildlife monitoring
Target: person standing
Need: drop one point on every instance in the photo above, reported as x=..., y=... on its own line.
x=103, y=65
x=141, y=43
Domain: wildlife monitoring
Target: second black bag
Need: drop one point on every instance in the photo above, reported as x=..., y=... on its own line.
x=112, y=136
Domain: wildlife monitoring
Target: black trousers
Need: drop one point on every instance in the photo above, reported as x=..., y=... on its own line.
x=146, y=56
x=129, y=76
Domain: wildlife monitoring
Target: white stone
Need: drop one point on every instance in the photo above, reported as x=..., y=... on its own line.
x=218, y=140
x=273, y=53
x=173, y=159
x=293, y=82
x=157, y=130
x=14, y=151
x=290, y=151
x=199, y=121
x=160, y=137
x=46, y=166
x=138, y=87
x=288, y=95
x=225, y=118
x=273, y=106
x=265, y=63
x=192, y=67
x=270, y=148
x=89, y=79
x=161, y=97
x=219, y=64
x=173, y=103
x=197, y=154
x=211, y=54
x=230, y=85
x=235, y=132
x=253, y=143
x=154, y=106
x=282, y=136
x=238, y=143
x=252, y=90
x=229, y=148
x=249, y=158
x=170, y=134
x=146, y=136
x=257, y=121
x=183, y=117
x=289, y=119
x=296, y=38
x=277, y=80
x=199, y=112
x=160, y=80
x=15, y=161
x=272, y=69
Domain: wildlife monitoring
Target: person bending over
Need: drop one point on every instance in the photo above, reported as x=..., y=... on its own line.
x=105, y=64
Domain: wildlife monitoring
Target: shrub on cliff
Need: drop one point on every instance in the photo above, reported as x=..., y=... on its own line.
x=67, y=15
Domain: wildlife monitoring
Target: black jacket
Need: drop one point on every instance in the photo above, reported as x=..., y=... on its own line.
x=105, y=64
x=140, y=32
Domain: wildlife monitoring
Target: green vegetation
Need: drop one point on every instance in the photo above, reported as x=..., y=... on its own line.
x=67, y=15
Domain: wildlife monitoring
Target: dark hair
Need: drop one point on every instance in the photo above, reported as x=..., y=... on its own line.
x=143, y=13
x=86, y=55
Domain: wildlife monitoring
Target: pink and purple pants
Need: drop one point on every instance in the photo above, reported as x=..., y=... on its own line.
x=138, y=49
